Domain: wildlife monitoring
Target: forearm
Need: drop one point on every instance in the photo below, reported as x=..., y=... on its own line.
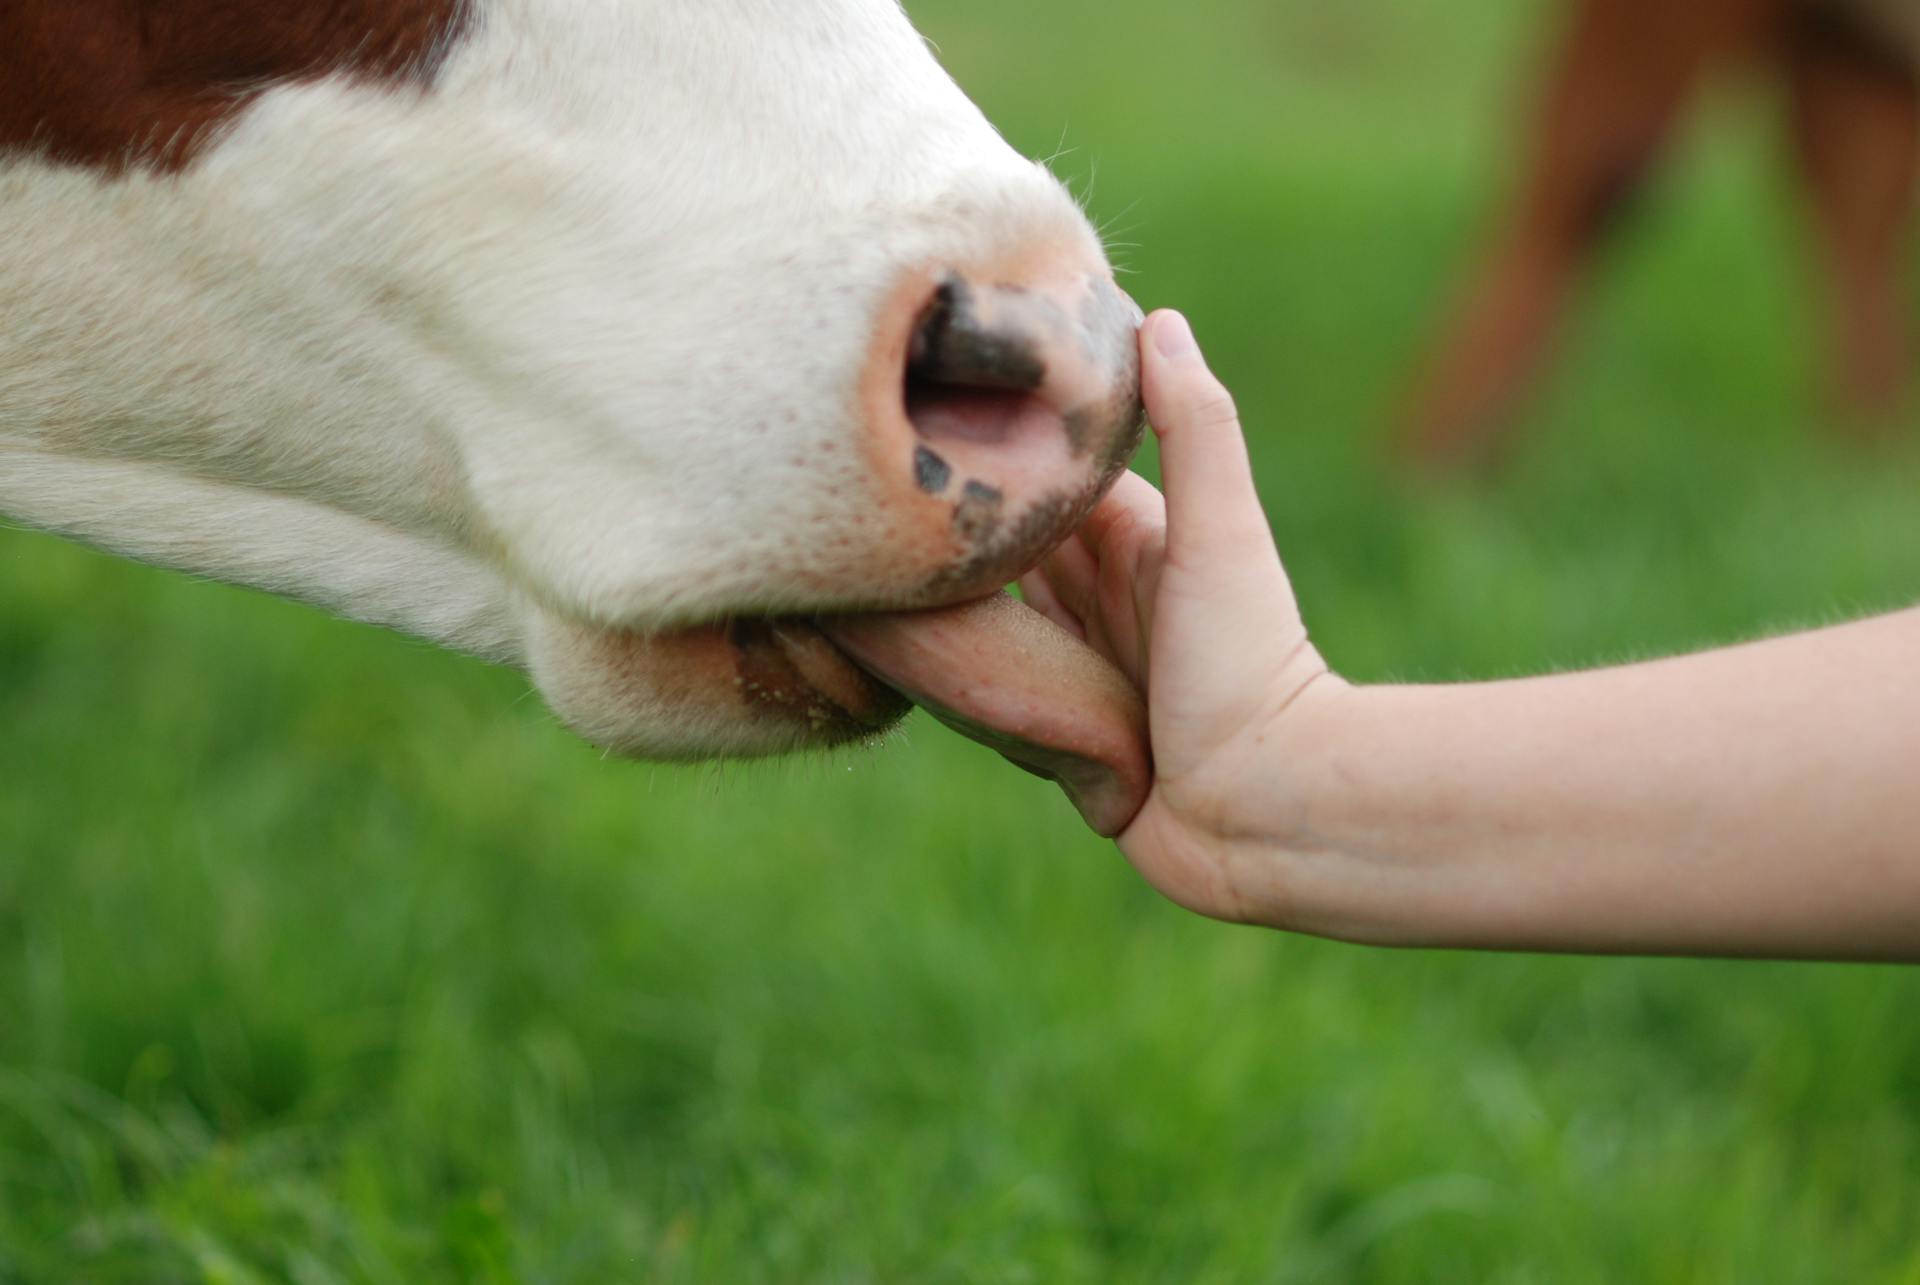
x=1763, y=799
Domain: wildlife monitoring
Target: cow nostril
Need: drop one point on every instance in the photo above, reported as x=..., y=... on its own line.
x=955, y=345
x=1022, y=402
x=971, y=381
x=984, y=415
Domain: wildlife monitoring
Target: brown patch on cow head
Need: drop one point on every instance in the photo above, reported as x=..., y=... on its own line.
x=112, y=84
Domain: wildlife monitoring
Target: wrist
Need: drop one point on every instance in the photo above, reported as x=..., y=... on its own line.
x=1332, y=843
x=1280, y=790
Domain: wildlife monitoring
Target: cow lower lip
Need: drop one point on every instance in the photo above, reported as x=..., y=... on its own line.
x=786, y=668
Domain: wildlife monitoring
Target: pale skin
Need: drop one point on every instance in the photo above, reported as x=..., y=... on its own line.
x=1760, y=800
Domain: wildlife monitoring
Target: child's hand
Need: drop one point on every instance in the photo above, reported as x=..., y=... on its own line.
x=1756, y=800
x=1187, y=596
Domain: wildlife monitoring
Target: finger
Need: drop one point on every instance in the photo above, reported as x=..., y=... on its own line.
x=1132, y=510
x=1037, y=592
x=1126, y=534
x=1122, y=638
x=1213, y=511
x=1071, y=572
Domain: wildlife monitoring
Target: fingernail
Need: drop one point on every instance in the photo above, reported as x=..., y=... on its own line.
x=1173, y=336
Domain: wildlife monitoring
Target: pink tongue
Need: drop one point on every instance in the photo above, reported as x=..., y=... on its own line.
x=1003, y=674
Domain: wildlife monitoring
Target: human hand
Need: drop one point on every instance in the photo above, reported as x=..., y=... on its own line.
x=1755, y=800
x=1187, y=596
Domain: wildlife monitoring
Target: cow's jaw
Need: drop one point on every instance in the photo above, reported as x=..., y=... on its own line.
x=745, y=687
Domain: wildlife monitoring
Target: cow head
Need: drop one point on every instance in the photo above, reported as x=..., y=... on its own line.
x=614, y=338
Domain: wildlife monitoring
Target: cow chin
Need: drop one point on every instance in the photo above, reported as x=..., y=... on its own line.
x=743, y=688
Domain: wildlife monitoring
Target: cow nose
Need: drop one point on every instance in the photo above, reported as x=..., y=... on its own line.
x=1021, y=402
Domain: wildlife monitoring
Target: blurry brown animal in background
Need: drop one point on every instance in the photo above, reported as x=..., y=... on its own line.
x=1614, y=94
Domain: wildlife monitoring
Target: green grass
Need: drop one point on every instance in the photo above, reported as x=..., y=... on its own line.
x=328, y=957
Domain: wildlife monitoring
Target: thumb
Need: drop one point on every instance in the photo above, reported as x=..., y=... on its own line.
x=1214, y=518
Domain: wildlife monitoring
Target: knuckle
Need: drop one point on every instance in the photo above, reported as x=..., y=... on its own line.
x=1213, y=407
x=1122, y=525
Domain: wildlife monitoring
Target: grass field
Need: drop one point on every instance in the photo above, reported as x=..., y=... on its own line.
x=327, y=957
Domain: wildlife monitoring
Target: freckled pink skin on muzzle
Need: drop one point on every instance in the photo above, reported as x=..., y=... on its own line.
x=1044, y=397
x=999, y=406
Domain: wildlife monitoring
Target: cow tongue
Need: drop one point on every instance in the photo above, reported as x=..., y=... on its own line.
x=1001, y=673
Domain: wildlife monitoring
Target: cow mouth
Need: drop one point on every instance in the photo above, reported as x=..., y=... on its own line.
x=786, y=670
x=993, y=669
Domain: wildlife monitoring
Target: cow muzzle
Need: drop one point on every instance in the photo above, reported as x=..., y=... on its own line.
x=997, y=408
x=1003, y=408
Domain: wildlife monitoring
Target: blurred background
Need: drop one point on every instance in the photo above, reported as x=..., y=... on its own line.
x=327, y=957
